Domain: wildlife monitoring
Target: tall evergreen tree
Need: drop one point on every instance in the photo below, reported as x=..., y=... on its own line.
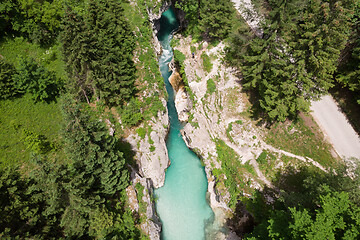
x=297, y=56
x=98, y=52
x=216, y=18
x=112, y=65
x=8, y=86
x=95, y=154
x=77, y=53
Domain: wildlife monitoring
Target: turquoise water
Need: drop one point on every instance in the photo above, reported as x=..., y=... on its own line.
x=181, y=203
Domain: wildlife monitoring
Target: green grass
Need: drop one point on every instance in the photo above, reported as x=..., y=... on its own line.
x=303, y=141
x=141, y=132
x=211, y=86
x=142, y=205
x=234, y=171
x=206, y=62
x=12, y=49
x=149, y=76
x=23, y=114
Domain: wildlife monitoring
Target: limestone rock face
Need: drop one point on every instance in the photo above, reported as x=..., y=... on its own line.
x=183, y=103
x=154, y=19
x=175, y=80
x=152, y=152
x=152, y=226
x=216, y=115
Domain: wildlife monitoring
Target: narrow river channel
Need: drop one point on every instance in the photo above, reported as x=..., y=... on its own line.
x=181, y=203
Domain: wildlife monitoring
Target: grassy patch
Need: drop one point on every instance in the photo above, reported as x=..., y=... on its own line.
x=211, y=86
x=21, y=115
x=149, y=76
x=234, y=171
x=142, y=205
x=206, y=62
x=13, y=49
x=141, y=132
x=300, y=139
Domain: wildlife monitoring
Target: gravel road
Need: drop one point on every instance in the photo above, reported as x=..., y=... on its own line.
x=336, y=127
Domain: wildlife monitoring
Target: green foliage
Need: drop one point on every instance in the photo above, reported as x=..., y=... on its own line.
x=296, y=56
x=113, y=69
x=349, y=71
x=191, y=8
x=34, y=79
x=39, y=21
x=216, y=18
x=305, y=141
x=148, y=72
x=211, y=86
x=131, y=114
x=37, y=143
x=152, y=148
x=140, y=194
x=98, y=52
x=206, y=62
x=312, y=205
x=262, y=158
x=179, y=57
x=210, y=18
x=101, y=220
x=141, y=132
x=234, y=171
x=13, y=49
x=22, y=113
x=8, y=87
x=93, y=151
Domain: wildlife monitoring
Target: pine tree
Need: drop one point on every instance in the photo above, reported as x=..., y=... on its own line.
x=113, y=68
x=98, y=50
x=216, y=18
x=296, y=58
x=95, y=154
x=8, y=87
x=77, y=54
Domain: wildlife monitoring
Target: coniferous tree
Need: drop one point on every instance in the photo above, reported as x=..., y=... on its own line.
x=95, y=154
x=98, y=52
x=297, y=56
x=7, y=84
x=112, y=66
x=216, y=18
x=77, y=53
x=349, y=72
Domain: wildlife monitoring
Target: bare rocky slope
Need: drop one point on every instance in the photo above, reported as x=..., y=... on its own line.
x=220, y=114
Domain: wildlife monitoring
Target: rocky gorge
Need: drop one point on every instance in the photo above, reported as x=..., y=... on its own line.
x=212, y=108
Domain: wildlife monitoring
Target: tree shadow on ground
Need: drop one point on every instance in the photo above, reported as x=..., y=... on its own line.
x=347, y=101
x=128, y=153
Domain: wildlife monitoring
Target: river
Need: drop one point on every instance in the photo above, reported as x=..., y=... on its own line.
x=181, y=203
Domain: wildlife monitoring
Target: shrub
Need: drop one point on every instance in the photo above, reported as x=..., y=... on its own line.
x=141, y=132
x=211, y=87
x=7, y=84
x=36, y=80
x=206, y=62
x=131, y=114
x=262, y=158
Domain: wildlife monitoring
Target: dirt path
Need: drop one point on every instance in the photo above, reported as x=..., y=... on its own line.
x=336, y=127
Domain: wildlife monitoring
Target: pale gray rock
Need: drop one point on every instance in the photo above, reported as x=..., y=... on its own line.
x=152, y=164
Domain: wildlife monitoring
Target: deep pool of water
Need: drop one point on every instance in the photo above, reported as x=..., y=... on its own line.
x=181, y=203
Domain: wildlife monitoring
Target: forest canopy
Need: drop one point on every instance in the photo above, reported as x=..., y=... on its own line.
x=298, y=55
